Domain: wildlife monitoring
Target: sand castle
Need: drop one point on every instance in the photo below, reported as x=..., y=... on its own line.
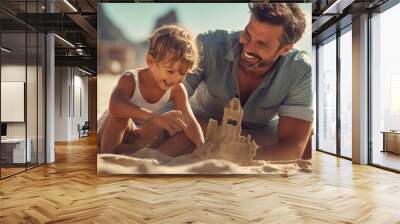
x=225, y=142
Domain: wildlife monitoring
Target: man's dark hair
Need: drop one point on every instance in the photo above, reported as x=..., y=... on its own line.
x=289, y=15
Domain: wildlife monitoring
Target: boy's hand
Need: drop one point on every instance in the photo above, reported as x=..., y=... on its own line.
x=172, y=121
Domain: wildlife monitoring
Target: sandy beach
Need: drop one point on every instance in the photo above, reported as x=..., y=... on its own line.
x=149, y=161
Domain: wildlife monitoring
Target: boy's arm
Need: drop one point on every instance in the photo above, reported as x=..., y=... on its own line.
x=119, y=101
x=193, y=130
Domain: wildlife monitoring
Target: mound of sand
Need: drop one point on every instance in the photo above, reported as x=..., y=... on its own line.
x=150, y=161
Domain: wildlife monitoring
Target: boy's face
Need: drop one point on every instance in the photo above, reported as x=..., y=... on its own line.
x=166, y=73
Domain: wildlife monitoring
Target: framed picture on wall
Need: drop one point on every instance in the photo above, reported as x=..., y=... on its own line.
x=12, y=101
x=198, y=89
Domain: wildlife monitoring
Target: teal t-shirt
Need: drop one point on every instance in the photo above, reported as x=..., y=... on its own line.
x=285, y=91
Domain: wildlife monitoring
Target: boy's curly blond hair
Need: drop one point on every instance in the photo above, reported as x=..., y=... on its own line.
x=174, y=43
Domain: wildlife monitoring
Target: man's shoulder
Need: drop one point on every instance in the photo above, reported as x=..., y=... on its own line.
x=219, y=38
x=298, y=59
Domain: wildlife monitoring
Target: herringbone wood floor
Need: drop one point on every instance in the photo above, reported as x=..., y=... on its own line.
x=70, y=191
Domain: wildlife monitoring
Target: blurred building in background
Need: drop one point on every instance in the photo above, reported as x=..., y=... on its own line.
x=116, y=53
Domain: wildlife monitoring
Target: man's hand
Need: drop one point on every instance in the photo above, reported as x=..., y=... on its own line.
x=171, y=121
x=293, y=135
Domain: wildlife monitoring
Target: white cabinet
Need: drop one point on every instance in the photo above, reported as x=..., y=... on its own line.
x=13, y=150
x=391, y=142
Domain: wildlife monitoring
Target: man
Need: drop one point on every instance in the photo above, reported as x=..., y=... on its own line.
x=271, y=78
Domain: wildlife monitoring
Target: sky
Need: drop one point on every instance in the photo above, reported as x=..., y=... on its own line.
x=136, y=20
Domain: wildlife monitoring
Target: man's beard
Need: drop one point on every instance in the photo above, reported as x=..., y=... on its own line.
x=255, y=66
x=251, y=67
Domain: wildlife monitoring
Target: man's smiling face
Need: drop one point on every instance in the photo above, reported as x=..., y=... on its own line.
x=261, y=45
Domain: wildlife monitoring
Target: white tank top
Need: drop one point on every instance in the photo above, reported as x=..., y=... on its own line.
x=139, y=101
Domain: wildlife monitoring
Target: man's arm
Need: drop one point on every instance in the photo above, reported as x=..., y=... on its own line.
x=294, y=125
x=295, y=121
x=293, y=135
x=192, y=81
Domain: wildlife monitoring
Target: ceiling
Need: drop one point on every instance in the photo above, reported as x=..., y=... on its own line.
x=76, y=22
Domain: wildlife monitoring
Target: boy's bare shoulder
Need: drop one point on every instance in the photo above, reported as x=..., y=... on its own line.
x=179, y=91
x=126, y=83
x=128, y=75
x=126, y=79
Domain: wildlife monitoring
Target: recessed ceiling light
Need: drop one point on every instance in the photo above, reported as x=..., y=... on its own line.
x=65, y=41
x=70, y=5
x=338, y=6
x=5, y=50
x=84, y=71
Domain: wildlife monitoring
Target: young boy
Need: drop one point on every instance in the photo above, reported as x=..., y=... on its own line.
x=132, y=120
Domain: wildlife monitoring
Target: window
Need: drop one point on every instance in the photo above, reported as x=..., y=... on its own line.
x=346, y=93
x=22, y=70
x=327, y=96
x=314, y=94
x=385, y=84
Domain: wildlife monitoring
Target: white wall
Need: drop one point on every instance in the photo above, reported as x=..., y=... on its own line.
x=13, y=73
x=34, y=125
x=61, y=103
x=69, y=85
x=80, y=98
x=16, y=73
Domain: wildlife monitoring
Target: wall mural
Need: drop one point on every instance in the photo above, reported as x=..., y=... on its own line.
x=195, y=89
